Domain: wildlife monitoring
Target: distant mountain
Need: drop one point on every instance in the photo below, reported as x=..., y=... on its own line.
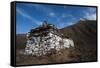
x=20, y=41
x=21, y=35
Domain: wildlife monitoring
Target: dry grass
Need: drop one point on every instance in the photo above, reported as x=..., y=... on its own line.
x=65, y=55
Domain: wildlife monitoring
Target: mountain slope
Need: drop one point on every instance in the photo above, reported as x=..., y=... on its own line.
x=84, y=34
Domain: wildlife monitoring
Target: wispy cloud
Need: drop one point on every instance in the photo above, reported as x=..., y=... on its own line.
x=62, y=24
x=26, y=15
x=64, y=15
x=65, y=24
x=52, y=14
x=48, y=11
x=66, y=20
x=90, y=14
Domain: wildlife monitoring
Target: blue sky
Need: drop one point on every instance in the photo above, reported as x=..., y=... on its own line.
x=30, y=15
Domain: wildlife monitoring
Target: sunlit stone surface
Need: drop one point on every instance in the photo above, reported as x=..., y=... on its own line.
x=44, y=39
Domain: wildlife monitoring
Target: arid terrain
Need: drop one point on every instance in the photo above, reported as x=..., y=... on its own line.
x=84, y=35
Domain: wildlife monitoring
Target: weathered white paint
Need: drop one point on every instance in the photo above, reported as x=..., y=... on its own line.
x=38, y=48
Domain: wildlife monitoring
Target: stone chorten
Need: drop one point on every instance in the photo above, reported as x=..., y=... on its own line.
x=46, y=39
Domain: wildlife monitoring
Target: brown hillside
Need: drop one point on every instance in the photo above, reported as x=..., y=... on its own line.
x=84, y=34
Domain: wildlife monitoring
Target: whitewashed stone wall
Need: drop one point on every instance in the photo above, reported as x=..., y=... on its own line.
x=39, y=46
